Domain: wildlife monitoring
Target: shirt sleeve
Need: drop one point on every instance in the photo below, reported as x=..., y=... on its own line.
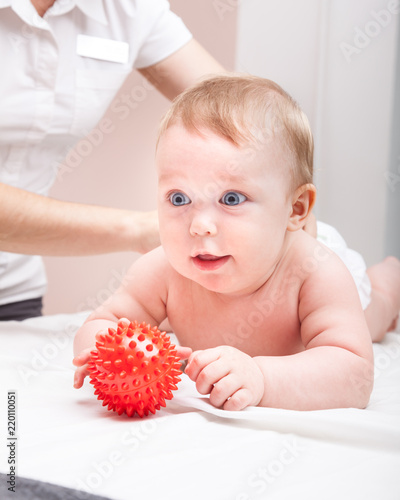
x=165, y=32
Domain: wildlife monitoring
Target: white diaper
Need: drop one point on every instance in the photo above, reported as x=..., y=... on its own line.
x=355, y=263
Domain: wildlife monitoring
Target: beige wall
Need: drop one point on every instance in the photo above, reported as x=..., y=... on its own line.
x=302, y=45
x=119, y=171
x=338, y=59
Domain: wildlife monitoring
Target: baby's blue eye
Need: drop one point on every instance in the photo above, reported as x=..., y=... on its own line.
x=178, y=199
x=233, y=198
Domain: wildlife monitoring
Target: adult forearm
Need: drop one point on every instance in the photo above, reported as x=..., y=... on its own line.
x=34, y=224
x=320, y=378
x=182, y=69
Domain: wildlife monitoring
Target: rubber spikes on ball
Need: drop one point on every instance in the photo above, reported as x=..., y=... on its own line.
x=134, y=369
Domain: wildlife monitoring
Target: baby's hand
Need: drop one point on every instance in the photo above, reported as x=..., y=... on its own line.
x=81, y=361
x=231, y=377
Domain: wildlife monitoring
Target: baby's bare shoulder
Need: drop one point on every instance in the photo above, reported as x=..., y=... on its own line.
x=314, y=269
x=326, y=281
x=150, y=271
x=151, y=262
x=312, y=257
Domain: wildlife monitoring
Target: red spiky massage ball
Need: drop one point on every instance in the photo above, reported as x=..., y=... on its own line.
x=134, y=369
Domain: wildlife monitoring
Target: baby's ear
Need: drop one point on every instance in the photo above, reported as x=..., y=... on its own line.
x=302, y=204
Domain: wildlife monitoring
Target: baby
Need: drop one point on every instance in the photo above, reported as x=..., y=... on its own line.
x=272, y=315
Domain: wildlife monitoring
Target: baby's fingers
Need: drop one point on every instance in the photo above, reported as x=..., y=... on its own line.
x=183, y=352
x=81, y=372
x=199, y=360
x=239, y=400
x=79, y=376
x=82, y=358
x=213, y=373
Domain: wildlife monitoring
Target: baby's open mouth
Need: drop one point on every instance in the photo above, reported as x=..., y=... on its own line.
x=208, y=257
x=208, y=262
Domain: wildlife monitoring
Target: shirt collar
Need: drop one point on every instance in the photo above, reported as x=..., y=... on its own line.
x=26, y=11
x=91, y=8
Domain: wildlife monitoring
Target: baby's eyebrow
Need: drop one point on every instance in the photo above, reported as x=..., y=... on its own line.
x=166, y=177
x=229, y=178
x=171, y=174
x=238, y=177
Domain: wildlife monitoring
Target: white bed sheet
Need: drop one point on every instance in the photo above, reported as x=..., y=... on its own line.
x=191, y=449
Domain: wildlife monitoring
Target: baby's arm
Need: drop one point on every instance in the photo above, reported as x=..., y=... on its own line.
x=141, y=296
x=336, y=367
x=334, y=370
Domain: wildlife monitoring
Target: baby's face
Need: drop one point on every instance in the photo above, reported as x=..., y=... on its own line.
x=223, y=210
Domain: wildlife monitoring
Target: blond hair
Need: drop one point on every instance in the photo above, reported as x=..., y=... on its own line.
x=247, y=109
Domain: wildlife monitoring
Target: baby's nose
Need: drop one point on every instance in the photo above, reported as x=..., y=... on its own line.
x=203, y=225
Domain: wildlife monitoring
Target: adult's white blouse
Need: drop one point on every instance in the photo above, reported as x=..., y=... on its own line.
x=57, y=80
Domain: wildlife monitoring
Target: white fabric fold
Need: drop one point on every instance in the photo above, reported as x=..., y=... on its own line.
x=190, y=448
